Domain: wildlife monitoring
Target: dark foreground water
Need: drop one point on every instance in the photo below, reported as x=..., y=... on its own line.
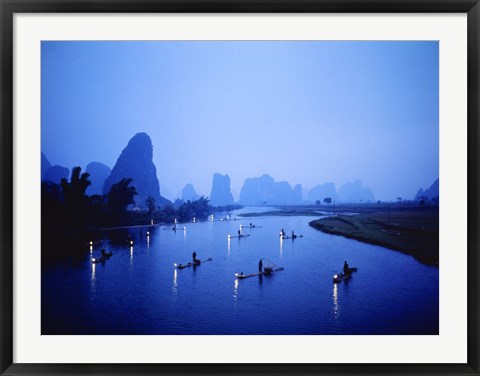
x=138, y=291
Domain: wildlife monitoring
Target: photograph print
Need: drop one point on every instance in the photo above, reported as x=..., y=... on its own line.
x=240, y=188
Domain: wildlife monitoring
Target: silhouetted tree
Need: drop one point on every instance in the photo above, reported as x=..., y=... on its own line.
x=75, y=200
x=121, y=195
x=65, y=214
x=199, y=209
x=73, y=192
x=327, y=200
x=169, y=210
x=150, y=202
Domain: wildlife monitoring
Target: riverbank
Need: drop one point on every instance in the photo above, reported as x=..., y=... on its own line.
x=283, y=213
x=413, y=231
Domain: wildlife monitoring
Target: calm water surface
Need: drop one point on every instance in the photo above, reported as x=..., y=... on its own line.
x=139, y=291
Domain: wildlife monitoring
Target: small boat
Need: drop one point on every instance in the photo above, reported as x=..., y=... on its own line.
x=238, y=236
x=337, y=278
x=102, y=258
x=266, y=271
x=242, y=276
x=292, y=237
x=196, y=263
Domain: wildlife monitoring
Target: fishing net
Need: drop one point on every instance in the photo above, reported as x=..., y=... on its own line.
x=269, y=264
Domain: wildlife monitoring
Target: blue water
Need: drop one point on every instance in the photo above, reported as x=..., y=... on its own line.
x=139, y=291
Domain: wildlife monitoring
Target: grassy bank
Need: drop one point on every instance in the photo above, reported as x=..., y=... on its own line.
x=410, y=230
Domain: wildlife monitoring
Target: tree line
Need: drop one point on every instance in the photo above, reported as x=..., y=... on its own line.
x=71, y=217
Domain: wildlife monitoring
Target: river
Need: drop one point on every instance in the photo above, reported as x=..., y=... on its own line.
x=139, y=290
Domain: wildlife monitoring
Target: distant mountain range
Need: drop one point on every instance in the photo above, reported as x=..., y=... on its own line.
x=136, y=162
x=431, y=193
x=264, y=190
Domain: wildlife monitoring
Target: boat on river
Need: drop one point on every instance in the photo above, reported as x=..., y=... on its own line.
x=266, y=271
x=176, y=228
x=102, y=258
x=243, y=276
x=337, y=278
x=292, y=237
x=238, y=236
x=189, y=264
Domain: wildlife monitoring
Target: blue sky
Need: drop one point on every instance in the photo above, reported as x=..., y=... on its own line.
x=304, y=112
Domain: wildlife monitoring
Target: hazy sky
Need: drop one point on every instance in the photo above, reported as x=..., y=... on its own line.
x=304, y=112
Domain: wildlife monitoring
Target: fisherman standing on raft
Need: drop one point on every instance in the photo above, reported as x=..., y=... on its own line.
x=260, y=266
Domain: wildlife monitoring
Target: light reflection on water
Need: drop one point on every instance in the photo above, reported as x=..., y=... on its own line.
x=298, y=300
x=92, y=280
x=93, y=271
x=174, y=286
x=336, y=306
x=235, y=290
x=175, y=273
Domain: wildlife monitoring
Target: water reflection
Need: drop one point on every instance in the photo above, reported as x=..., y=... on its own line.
x=336, y=306
x=92, y=280
x=153, y=286
x=228, y=246
x=174, y=295
x=175, y=274
x=235, y=289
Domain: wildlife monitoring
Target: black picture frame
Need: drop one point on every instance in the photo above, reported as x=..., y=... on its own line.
x=8, y=8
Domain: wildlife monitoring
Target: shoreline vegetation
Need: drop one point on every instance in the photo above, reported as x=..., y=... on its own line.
x=71, y=219
x=404, y=227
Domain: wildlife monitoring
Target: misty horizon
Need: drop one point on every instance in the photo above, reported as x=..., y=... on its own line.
x=236, y=194
x=303, y=112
